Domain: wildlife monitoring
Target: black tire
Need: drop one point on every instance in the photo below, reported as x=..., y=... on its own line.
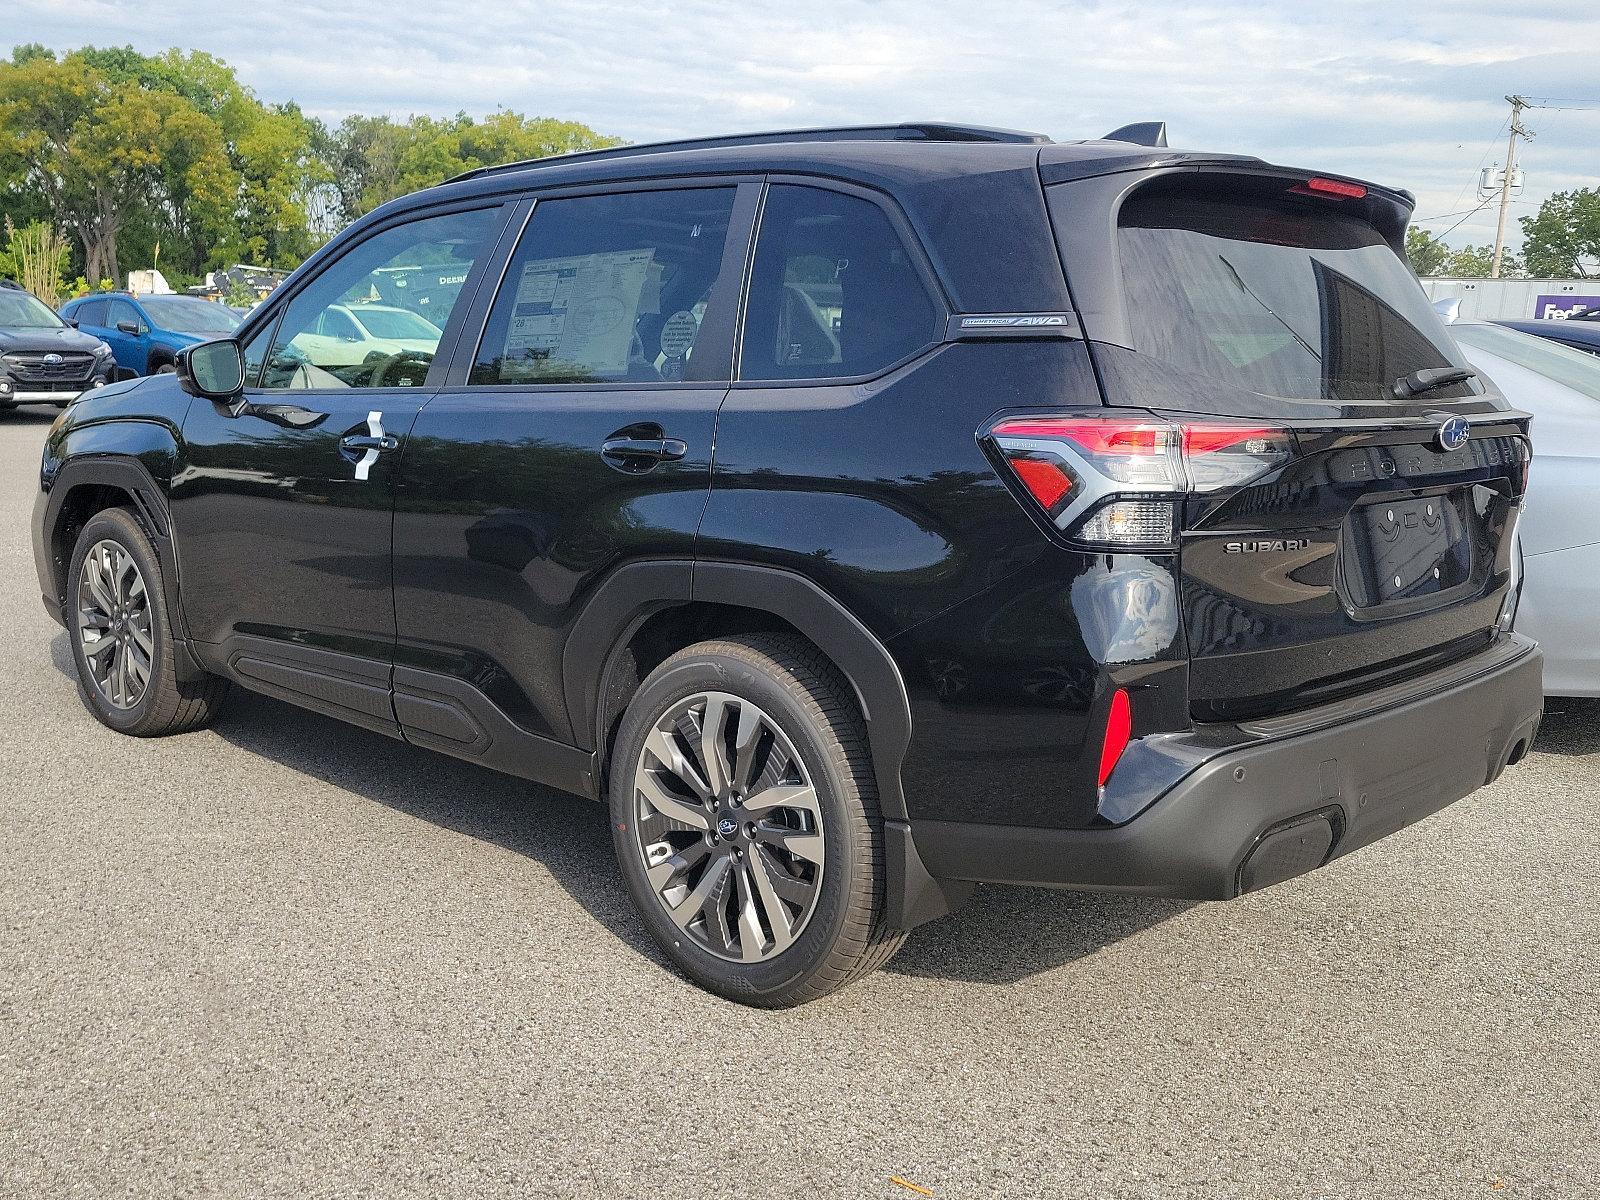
x=167, y=705
x=165, y=368
x=792, y=683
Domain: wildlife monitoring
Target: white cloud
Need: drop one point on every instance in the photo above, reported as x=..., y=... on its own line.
x=1407, y=93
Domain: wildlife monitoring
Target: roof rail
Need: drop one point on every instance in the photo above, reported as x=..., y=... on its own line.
x=910, y=132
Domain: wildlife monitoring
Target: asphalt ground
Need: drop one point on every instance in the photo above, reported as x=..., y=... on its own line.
x=286, y=957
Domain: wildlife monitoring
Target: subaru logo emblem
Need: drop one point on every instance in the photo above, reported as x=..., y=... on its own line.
x=1453, y=433
x=53, y=360
x=727, y=826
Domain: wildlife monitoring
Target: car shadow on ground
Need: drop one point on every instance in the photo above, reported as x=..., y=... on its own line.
x=1570, y=727
x=1002, y=935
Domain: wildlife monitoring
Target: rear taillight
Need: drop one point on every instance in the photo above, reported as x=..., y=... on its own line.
x=1119, y=482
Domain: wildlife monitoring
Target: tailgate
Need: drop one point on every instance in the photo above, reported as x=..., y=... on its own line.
x=1375, y=555
x=1374, y=542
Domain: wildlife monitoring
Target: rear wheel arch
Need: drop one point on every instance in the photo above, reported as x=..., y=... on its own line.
x=646, y=612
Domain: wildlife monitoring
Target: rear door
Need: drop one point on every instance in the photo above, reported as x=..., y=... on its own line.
x=574, y=436
x=1374, y=542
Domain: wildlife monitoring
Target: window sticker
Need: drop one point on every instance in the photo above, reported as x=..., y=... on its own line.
x=677, y=335
x=576, y=313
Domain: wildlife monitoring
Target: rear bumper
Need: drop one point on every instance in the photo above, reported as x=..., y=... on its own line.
x=1299, y=794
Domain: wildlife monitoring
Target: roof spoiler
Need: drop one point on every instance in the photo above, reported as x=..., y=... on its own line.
x=1140, y=133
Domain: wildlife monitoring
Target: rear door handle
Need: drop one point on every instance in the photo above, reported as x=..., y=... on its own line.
x=641, y=454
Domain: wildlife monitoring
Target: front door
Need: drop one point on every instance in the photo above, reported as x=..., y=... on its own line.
x=127, y=335
x=285, y=503
x=577, y=438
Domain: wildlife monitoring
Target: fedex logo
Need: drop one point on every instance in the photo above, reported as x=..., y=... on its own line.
x=1559, y=308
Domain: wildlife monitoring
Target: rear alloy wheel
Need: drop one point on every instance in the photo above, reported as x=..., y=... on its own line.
x=728, y=826
x=745, y=818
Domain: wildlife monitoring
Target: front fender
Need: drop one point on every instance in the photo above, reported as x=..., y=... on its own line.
x=136, y=457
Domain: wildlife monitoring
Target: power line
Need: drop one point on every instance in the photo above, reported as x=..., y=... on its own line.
x=1487, y=150
x=1474, y=212
x=1561, y=103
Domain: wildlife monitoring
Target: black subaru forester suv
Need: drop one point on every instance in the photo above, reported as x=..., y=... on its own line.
x=859, y=513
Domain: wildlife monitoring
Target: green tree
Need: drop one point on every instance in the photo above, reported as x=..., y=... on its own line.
x=373, y=159
x=1427, y=254
x=1474, y=262
x=270, y=152
x=135, y=155
x=1563, y=237
x=103, y=152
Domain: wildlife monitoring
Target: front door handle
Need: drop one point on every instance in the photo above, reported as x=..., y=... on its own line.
x=641, y=454
x=369, y=445
x=362, y=441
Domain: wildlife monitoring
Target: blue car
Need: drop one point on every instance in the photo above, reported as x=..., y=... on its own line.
x=146, y=332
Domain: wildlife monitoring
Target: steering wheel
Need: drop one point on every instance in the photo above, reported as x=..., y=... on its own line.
x=410, y=365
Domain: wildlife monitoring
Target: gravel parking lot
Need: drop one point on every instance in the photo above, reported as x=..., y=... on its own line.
x=291, y=958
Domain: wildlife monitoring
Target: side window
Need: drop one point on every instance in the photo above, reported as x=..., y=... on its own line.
x=833, y=291
x=91, y=312
x=337, y=323
x=120, y=311
x=606, y=288
x=409, y=277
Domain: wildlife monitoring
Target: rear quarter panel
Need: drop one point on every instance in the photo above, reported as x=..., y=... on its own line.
x=881, y=494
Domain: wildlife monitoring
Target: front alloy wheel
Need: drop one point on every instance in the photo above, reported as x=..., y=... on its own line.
x=729, y=827
x=114, y=624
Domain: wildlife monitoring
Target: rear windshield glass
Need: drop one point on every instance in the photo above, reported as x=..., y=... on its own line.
x=1287, y=298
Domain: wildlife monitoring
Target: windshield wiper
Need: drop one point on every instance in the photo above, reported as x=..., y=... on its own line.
x=1245, y=288
x=1429, y=379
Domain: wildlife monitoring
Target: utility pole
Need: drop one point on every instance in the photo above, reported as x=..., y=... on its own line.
x=1518, y=103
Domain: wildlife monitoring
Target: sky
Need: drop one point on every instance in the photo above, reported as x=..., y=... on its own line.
x=1406, y=92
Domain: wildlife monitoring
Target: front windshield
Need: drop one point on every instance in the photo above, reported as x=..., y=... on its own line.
x=182, y=315
x=22, y=310
x=1574, y=368
x=396, y=324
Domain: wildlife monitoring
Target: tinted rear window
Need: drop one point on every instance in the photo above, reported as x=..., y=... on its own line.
x=1286, y=298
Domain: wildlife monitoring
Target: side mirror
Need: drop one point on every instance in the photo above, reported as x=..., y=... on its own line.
x=130, y=327
x=72, y=321
x=212, y=370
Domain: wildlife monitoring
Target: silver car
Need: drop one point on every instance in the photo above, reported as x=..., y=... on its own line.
x=1560, y=530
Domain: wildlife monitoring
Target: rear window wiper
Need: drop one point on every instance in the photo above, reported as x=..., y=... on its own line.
x=1245, y=288
x=1429, y=379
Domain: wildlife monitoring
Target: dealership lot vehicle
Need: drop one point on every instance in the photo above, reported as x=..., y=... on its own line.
x=43, y=359
x=1560, y=557
x=146, y=332
x=776, y=490
x=374, y=330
